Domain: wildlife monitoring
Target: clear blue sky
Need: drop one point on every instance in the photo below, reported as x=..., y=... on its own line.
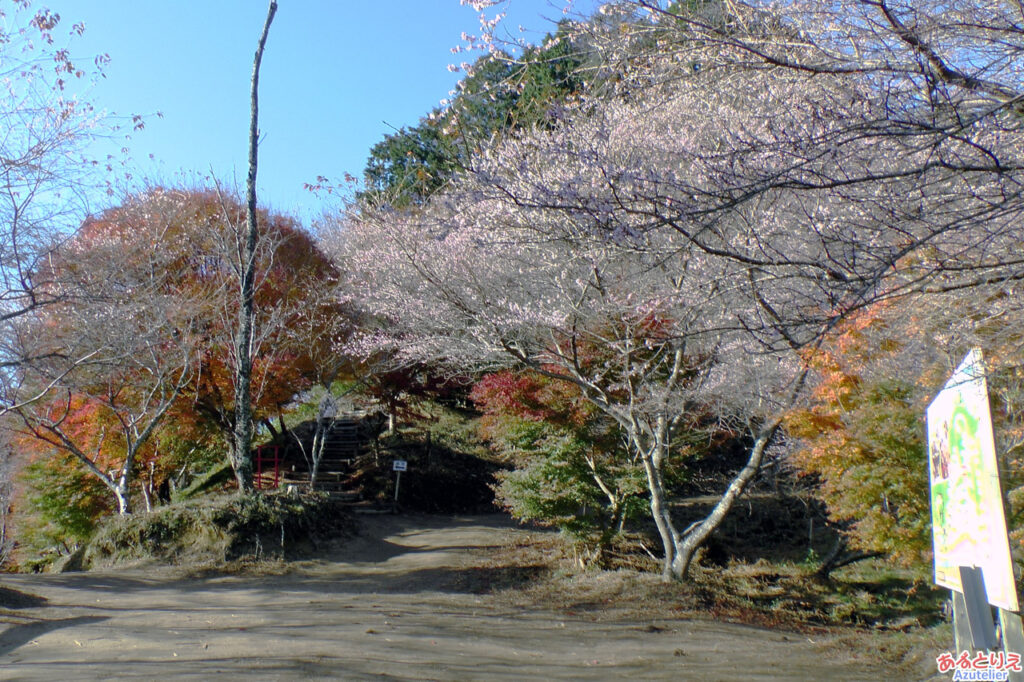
x=336, y=74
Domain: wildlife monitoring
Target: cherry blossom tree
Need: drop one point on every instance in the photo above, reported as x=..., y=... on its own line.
x=940, y=88
x=104, y=367
x=674, y=243
x=906, y=114
x=546, y=257
x=45, y=173
x=644, y=334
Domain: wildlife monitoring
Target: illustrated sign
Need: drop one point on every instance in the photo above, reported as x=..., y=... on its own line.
x=399, y=465
x=968, y=523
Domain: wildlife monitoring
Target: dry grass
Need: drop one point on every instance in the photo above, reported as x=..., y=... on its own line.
x=871, y=611
x=225, y=532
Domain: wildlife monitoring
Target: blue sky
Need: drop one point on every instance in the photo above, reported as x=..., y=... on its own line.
x=337, y=75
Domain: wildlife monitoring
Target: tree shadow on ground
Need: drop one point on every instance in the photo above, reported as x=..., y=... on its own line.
x=13, y=599
x=21, y=634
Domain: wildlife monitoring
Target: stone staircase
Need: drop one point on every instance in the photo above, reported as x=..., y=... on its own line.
x=347, y=438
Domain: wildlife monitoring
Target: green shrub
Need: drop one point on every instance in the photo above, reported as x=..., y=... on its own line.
x=62, y=506
x=558, y=481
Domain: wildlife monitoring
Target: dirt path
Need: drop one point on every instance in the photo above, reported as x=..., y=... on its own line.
x=399, y=602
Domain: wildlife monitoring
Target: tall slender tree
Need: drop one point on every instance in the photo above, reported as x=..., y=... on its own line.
x=241, y=458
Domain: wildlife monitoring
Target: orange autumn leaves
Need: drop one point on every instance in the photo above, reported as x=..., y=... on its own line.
x=861, y=436
x=188, y=240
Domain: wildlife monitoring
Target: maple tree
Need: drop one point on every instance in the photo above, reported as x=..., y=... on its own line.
x=293, y=330
x=176, y=362
x=106, y=365
x=862, y=437
x=59, y=505
x=862, y=434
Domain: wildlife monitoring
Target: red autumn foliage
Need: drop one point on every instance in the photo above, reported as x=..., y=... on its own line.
x=195, y=234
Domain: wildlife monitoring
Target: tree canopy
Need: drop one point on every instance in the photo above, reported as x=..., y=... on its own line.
x=149, y=331
x=684, y=238
x=777, y=227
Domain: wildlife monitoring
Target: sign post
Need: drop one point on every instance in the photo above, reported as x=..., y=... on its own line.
x=398, y=466
x=972, y=551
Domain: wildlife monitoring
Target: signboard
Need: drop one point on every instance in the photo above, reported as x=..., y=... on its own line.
x=968, y=523
x=399, y=465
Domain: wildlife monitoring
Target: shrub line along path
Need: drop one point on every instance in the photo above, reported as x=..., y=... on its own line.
x=410, y=598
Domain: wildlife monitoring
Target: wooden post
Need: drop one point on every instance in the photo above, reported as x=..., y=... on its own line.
x=973, y=627
x=1013, y=638
x=976, y=612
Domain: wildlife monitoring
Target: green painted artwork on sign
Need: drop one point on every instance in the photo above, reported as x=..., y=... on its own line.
x=968, y=523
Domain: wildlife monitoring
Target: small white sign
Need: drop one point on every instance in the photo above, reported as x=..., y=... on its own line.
x=399, y=465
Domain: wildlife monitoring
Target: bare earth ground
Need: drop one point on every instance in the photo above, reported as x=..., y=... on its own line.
x=411, y=598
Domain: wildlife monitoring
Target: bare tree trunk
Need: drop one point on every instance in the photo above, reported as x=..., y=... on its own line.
x=6, y=494
x=241, y=459
x=148, y=488
x=662, y=515
x=316, y=455
x=316, y=450
x=697, y=536
x=5, y=544
x=123, y=503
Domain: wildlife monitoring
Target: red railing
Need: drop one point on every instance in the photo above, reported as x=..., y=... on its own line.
x=266, y=478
